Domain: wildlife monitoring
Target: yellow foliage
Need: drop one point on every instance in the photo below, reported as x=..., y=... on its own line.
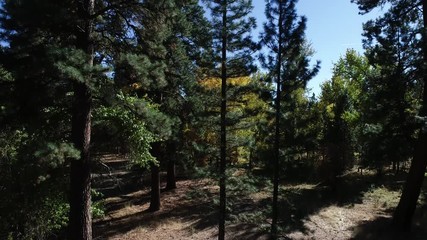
x=132, y=87
x=330, y=110
x=211, y=137
x=239, y=81
x=215, y=83
x=136, y=85
x=186, y=128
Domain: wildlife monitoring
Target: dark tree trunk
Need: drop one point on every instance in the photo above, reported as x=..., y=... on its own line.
x=155, y=178
x=170, y=177
x=402, y=218
x=80, y=225
x=275, y=210
x=155, y=188
x=223, y=151
x=80, y=218
x=250, y=164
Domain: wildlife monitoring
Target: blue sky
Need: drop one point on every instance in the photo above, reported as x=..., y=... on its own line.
x=332, y=27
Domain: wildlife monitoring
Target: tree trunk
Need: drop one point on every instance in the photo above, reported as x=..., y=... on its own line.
x=250, y=164
x=155, y=188
x=155, y=178
x=80, y=218
x=80, y=225
x=275, y=210
x=170, y=178
x=223, y=150
x=402, y=218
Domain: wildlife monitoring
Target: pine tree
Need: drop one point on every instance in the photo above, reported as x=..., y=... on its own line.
x=288, y=64
x=47, y=28
x=412, y=13
x=391, y=91
x=80, y=226
x=160, y=62
x=73, y=42
x=142, y=63
x=185, y=47
x=233, y=46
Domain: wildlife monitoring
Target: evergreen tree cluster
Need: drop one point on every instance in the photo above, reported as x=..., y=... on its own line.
x=175, y=84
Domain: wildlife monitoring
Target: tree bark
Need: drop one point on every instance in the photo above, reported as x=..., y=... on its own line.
x=250, y=164
x=402, y=218
x=275, y=210
x=223, y=150
x=155, y=188
x=80, y=218
x=170, y=177
x=155, y=178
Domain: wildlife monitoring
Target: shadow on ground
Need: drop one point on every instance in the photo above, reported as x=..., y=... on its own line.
x=194, y=203
x=380, y=229
x=197, y=211
x=299, y=203
x=127, y=206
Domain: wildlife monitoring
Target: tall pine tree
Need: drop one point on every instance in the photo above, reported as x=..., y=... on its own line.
x=288, y=64
x=233, y=47
x=393, y=90
x=412, y=13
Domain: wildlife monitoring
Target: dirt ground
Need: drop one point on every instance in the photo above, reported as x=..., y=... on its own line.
x=179, y=218
x=360, y=208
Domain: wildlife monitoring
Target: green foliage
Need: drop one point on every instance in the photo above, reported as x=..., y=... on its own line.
x=295, y=51
x=34, y=146
x=391, y=96
x=51, y=216
x=247, y=115
x=204, y=119
x=155, y=121
x=32, y=174
x=240, y=186
x=153, y=80
x=138, y=68
x=254, y=217
x=41, y=59
x=72, y=63
x=239, y=43
x=69, y=64
x=5, y=76
x=9, y=142
x=128, y=130
x=284, y=35
x=340, y=103
x=98, y=207
x=55, y=154
x=337, y=133
x=241, y=183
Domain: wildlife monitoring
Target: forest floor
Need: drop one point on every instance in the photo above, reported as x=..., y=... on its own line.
x=359, y=207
